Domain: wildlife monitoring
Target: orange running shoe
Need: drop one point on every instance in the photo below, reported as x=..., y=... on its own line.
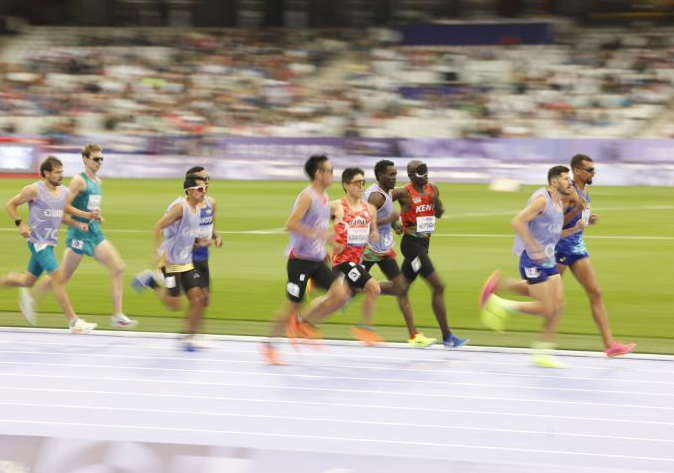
x=366, y=335
x=271, y=356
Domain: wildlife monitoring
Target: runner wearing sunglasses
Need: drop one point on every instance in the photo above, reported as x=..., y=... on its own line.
x=179, y=227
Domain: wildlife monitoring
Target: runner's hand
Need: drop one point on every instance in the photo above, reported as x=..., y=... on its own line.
x=24, y=230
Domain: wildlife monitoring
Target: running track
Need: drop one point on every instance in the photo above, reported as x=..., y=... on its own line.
x=345, y=408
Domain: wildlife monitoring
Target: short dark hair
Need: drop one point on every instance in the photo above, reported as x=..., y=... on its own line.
x=311, y=166
x=578, y=159
x=194, y=170
x=191, y=181
x=348, y=174
x=380, y=167
x=49, y=164
x=90, y=148
x=556, y=171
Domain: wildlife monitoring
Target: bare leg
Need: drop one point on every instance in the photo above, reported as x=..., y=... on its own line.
x=196, y=310
x=325, y=305
x=372, y=291
x=438, y=302
x=584, y=273
x=18, y=280
x=69, y=265
x=108, y=256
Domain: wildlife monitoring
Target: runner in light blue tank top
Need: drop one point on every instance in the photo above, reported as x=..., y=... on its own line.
x=538, y=228
x=308, y=224
x=179, y=227
x=47, y=203
x=207, y=233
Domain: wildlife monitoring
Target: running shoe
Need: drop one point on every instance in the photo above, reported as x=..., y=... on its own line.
x=618, y=349
x=271, y=356
x=122, y=321
x=81, y=326
x=493, y=315
x=420, y=341
x=366, y=334
x=27, y=306
x=143, y=280
x=489, y=287
x=452, y=341
x=542, y=355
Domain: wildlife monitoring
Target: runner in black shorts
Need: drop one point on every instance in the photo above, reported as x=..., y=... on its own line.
x=420, y=205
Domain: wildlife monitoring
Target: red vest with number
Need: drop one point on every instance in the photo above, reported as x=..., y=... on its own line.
x=353, y=232
x=420, y=206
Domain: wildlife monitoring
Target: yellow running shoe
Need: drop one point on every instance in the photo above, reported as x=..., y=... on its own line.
x=542, y=355
x=420, y=341
x=494, y=315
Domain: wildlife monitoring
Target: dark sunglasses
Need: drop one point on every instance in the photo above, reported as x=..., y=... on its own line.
x=590, y=169
x=98, y=160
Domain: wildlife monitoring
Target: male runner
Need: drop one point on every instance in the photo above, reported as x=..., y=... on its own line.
x=381, y=251
x=46, y=203
x=420, y=205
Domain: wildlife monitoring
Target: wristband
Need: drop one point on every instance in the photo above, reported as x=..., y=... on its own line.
x=18, y=222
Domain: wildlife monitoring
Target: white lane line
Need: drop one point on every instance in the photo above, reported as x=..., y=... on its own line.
x=377, y=405
x=406, y=394
x=337, y=420
x=405, y=443
x=153, y=337
x=631, y=381
x=284, y=375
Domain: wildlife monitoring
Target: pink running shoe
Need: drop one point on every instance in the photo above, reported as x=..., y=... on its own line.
x=618, y=349
x=489, y=287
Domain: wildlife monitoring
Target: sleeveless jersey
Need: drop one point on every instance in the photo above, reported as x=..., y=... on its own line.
x=45, y=214
x=545, y=228
x=200, y=253
x=419, y=220
x=575, y=243
x=87, y=200
x=317, y=217
x=179, y=237
x=386, y=240
x=353, y=232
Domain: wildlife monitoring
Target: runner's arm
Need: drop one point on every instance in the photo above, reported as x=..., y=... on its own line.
x=27, y=194
x=519, y=224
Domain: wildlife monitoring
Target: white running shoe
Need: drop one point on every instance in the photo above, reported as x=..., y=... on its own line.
x=143, y=279
x=27, y=306
x=82, y=327
x=122, y=321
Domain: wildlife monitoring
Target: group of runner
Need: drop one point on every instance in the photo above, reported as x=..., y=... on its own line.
x=548, y=239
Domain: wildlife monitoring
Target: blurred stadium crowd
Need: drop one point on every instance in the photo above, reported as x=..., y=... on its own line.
x=289, y=82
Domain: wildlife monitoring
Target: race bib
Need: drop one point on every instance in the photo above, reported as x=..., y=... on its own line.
x=388, y=240
x=77, y=244
x=586, y=215
x=94, y=202
x=426, y=224
x=357, y=236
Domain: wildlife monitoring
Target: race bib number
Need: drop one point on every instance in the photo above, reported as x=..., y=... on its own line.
x=94, y=202
x=388, y=240
x=77, y=244
x=354, y=275
x=426, y=224
x=532, y=273
x=357, y=236
x=170, y=282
